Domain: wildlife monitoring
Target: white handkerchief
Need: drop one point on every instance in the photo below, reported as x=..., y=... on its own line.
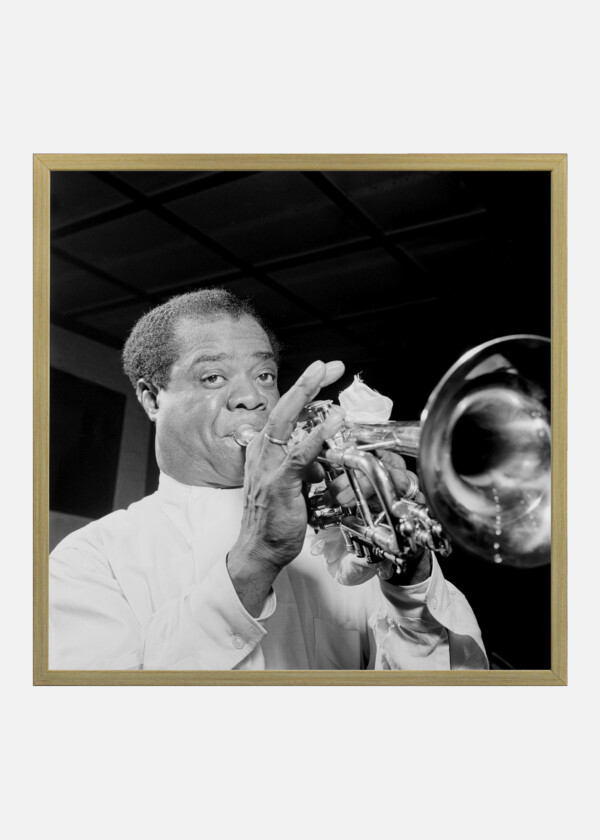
x=364, y=405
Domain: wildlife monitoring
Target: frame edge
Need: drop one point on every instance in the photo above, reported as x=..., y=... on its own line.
x=559, y=419
x=44, y=164
x=41, y=384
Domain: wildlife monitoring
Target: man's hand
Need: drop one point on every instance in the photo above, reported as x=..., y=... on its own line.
x=340, y=492
x=275, y=517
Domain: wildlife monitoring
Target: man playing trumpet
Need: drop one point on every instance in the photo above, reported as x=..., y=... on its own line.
x=217, y=569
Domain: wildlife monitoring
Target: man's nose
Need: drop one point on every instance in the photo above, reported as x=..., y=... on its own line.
x=245, y=394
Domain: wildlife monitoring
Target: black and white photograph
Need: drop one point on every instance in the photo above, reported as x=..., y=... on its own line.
x=300, y=420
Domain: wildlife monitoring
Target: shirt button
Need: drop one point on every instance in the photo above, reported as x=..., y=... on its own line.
x=238, y=642
x=433, y=602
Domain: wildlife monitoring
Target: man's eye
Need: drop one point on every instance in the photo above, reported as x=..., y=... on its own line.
x=214, y=379
x=267, y=377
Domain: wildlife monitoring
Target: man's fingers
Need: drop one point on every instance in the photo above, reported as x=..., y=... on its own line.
x=404, y=482
x=307, y=450
x=342, y=496
x=392, y=460
x=284, y=416
x=313, y=473
x=333, y=371
x=340, y=492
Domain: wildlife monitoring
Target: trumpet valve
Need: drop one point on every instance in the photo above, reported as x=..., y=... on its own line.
x=382, y=537
x=407, y=529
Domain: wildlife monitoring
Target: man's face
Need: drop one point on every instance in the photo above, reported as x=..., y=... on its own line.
x=225, y=376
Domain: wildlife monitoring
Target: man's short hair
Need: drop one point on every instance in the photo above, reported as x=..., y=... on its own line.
x=151, y=350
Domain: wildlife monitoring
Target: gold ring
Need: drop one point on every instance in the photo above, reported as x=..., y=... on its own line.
x=413, y=489
x=276, y=440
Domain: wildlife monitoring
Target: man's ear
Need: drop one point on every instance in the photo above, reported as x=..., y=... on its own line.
x=147, y=395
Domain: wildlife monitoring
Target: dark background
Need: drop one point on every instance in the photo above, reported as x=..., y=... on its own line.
x=396, y=273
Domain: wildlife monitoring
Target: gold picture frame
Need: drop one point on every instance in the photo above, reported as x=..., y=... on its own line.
x=556, y=165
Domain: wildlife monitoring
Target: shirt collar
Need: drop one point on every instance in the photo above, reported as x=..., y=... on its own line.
x=177, y=500
x=171, y=489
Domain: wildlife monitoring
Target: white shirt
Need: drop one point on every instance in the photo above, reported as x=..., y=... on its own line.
x=148, y=587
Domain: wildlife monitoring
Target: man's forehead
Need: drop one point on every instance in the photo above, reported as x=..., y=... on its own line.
x=221, y=334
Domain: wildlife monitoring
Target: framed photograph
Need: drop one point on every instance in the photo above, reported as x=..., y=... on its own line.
x=440, y=283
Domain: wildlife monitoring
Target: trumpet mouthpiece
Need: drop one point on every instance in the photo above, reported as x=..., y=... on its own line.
x=244, y=434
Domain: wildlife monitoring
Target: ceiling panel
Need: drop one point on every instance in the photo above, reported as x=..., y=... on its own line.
x=270, y=215
x=134, y=246
x=116, y=323
x=481, y=240
x=450, y=255
x=151, y=183
x=326, y=343
x=173, y=269
x=275, y=308
x=72, y=288
x=80, y=195
x=394, y=200
x=348, y=284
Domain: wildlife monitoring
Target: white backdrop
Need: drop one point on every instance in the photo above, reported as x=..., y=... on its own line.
x=312, y=77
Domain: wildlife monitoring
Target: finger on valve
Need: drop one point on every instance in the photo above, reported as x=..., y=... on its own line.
x=284, y=416
x=306, y=451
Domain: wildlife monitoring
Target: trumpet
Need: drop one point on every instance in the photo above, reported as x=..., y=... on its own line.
x=483, y=450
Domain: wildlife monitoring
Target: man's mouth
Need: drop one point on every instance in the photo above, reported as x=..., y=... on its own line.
x=245, y=433
x=252, y=429
x=256, y=425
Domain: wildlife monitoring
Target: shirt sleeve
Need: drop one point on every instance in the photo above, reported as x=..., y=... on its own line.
x=427, y=626
x=208, y=628
x=94, y=627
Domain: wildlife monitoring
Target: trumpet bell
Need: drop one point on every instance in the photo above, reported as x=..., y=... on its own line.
x=485, y=451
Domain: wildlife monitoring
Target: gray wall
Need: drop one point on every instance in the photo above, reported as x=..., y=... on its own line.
x=101, y=365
